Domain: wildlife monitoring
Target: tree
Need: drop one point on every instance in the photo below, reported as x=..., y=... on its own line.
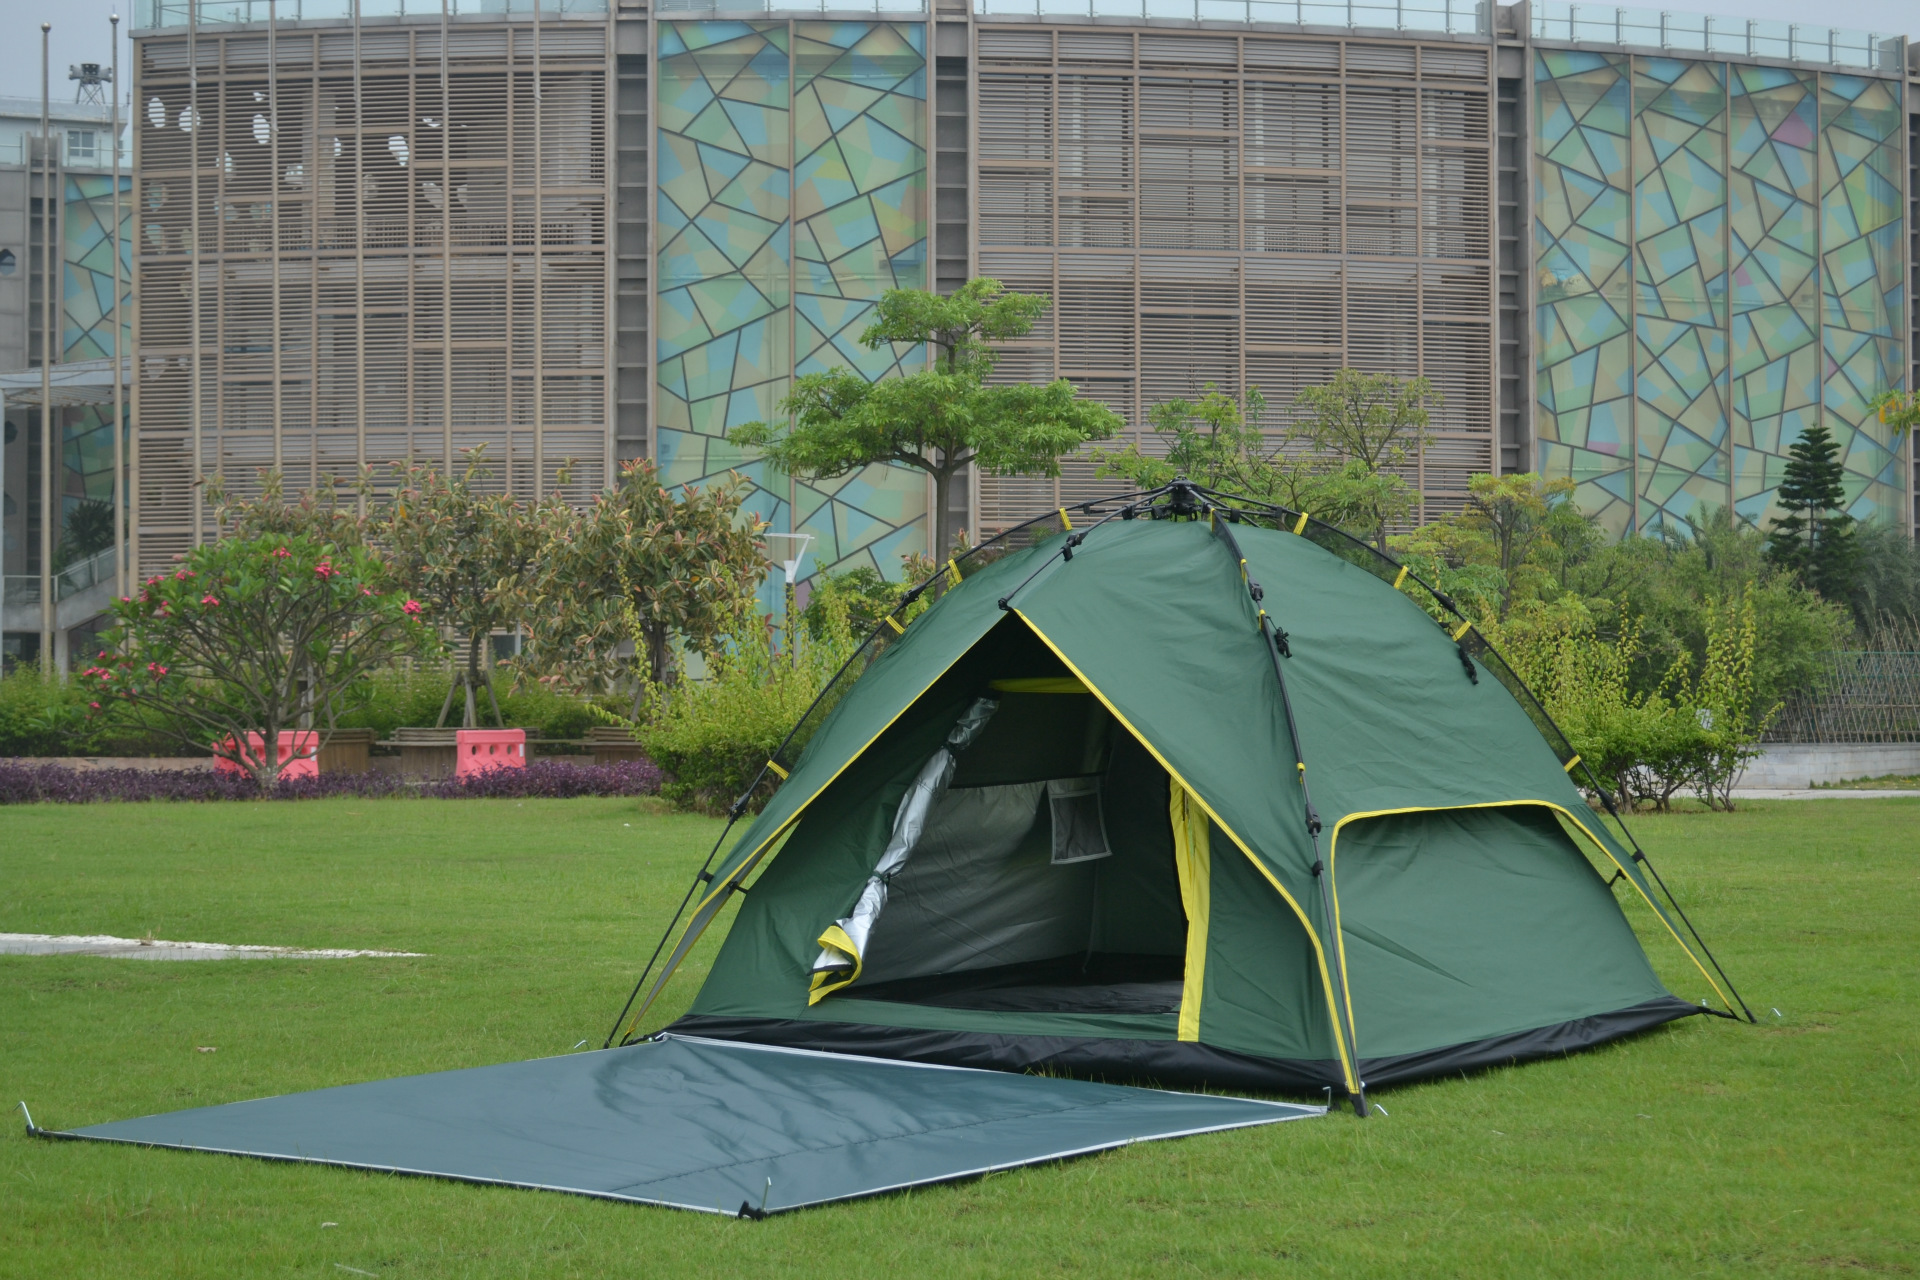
x=87, y=531
x=943, y=418
x=254, y=635
x=1373, y=420
x=645, y=565
x=1222, y=443
x=1509, y=526
x=467, y=554
x=327, y=513
x=1814, y=536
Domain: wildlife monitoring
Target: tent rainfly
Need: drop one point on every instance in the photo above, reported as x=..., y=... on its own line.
x=1195, y=793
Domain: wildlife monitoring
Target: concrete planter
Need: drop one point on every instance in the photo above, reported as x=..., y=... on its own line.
x=1784, y=765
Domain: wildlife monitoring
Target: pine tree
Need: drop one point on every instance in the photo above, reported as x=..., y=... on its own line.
x=1814, y=535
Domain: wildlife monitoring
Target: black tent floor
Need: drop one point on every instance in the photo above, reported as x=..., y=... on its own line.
x=715, y=1126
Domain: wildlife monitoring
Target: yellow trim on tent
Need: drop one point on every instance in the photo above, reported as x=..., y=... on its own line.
x=1192, y=859
x=1333, y=883
x=1300, y=525
x=1400, y=577
x=1064, y=522
x=775, y=766
x=1462, y=629
x=1568, y=766
x=1320, y=955
x=895, y=624
x=1038, y=684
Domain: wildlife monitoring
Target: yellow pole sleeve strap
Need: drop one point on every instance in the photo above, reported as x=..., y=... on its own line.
x=895, y=624
x=1569, y=765
x=1462, y=630
x=775, y=766
x=1400, y=577
x=953, y=574
x=1064, y=522
x=1300, y=525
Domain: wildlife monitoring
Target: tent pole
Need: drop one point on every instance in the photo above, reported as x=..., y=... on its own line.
x=1275, y=642
x=653, y=959
x=1272, y=511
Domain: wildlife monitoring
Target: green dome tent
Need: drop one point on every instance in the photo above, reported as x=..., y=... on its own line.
x=1110, y=807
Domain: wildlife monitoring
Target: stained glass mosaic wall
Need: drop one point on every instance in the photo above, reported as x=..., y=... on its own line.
x=792, y=192
x=1719, y=265
x=87, y=318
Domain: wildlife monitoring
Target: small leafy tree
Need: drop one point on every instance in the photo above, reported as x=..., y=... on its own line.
x=1724, y=703
x=1375, y=421
x=643, y=565
x=1493, y=550
x=464, y=552
x=1222, y=443
x=254, y=635
x=1814, y=536
x=327, y=513
x=941, y=419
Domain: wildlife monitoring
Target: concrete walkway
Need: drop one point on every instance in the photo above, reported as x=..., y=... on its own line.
x=68, y=944
x=1816, y=793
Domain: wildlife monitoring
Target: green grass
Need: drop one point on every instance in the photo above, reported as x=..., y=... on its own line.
x=1704, y=1149
x=1885, y=782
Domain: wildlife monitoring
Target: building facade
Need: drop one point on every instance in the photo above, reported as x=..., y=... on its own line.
x=1642, y=251
x=62, y=196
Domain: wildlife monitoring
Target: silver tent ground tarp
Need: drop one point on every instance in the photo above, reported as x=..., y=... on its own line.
x=721, y=1127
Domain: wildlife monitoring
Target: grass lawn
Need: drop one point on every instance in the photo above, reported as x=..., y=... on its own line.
x=1702, y=1149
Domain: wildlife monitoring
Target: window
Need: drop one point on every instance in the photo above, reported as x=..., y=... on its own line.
x=83, y=146
x=8, y=263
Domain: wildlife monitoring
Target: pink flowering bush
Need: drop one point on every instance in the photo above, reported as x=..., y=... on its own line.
x=254, y=635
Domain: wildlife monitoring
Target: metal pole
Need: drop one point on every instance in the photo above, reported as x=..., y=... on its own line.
x=273, y=229
x=119, y=408
x=47, y=453
x=539, y=271
x=194, y=397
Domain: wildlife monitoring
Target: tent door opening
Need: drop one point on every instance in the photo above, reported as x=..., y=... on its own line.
x=1044, y=879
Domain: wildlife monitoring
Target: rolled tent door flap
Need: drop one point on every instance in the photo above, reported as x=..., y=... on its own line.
x=844, y=942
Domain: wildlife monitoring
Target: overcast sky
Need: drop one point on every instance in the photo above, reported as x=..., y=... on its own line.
x=80, y=31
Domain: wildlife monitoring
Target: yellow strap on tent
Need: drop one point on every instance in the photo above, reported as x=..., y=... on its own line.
x=1039, y=684
x=895, y=624
x=1569, y=765
x=1192, y=858
x=1300, y=525
x=775, y=766
x=953, y=574
x=1400, y=577
x=1064, y=522
x=827, y=982
x=1462, y=630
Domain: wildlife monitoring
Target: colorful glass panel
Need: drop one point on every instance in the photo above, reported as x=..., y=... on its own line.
x=1762, y=207
x=86, y=322
x=792, y=193
x=1584, y=296
x=1862, y=279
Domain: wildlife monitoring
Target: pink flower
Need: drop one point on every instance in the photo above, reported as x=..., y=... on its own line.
x=156, y=669
x=94, y=705
x=411, y=608
x=282, y=554
x=366, y=591
x=179, y=574
x=208, y=599
x=325, y=569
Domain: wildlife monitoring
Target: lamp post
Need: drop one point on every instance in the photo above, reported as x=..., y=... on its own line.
x=119, y=424
x=47, y=458
x=796, y=545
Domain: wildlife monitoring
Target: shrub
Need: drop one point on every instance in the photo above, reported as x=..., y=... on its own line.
x=553, y=780
x=24, y=783
x=712, y=737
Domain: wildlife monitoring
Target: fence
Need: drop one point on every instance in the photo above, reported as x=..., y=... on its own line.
x=1863, y=696
x=1705, y=33
x=1455, y=17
